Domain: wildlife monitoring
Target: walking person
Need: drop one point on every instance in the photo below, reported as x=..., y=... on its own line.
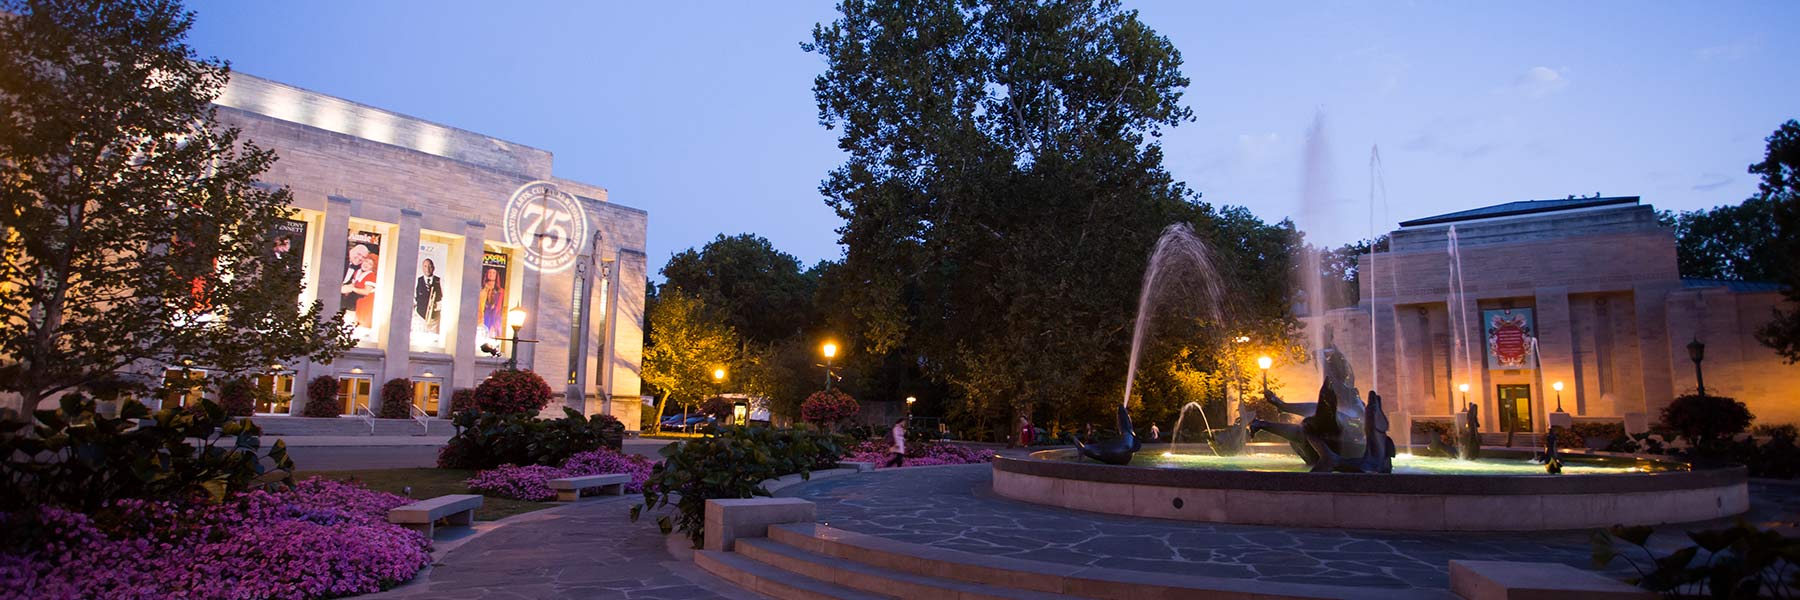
x=1155, y=434
x=898, y=439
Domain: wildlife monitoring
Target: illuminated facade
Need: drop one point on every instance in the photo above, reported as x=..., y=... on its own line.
x=427, y=237
x=1583, y=291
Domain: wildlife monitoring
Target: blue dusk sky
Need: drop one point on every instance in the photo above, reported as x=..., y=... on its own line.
x=702, y=112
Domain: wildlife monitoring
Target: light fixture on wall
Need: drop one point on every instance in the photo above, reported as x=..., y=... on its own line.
x=357, y=370
x=427, y=373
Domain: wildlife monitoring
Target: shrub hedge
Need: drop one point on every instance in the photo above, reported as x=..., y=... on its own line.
x=487, y=440
x=322, y=398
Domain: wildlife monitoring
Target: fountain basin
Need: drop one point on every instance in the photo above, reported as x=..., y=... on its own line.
x=1661, y=492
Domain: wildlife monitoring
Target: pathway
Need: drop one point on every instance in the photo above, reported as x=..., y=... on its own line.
x=586, y=550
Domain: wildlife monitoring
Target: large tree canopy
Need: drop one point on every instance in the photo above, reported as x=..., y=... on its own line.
x=763, y=292
x=1734, y=242
x=1002, y=191
x=1780, y=171
x=687, y=340
x=133, y=232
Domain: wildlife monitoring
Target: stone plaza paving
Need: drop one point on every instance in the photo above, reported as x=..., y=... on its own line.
x=953, y=508
x=593, y=549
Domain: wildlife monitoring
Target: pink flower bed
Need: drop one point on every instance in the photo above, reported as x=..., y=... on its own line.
x=532, y=482
x=321, y=539
x=918, y=455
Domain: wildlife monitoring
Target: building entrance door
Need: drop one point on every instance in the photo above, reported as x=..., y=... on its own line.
x=425, y=396
x=354, y=392
x=1515, y=408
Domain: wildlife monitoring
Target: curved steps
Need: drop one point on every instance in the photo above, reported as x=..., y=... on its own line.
x=810, y=561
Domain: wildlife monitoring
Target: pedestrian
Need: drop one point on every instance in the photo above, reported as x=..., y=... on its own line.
x=1155, y=434
x=898, y=436
x=1025, y=433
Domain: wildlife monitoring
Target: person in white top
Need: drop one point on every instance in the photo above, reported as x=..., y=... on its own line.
x=897, y=438
x=1155, y=434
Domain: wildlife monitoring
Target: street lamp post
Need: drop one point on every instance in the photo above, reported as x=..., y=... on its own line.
x=1697, y=352
x=830, y=350
x=1264, y=362
x=909, y=402
x=515, y=319
x=1558, y=387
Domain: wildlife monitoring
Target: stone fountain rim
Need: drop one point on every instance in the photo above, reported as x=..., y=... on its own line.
x=1053, y=464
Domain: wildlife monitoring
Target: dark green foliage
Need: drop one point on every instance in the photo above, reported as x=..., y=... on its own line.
x=148, y=231
x=78, y=458
x=731, y=463
x=717, y=407
x=1706, y=422
x=513, y=390
x=322, y=398
x=1778, y=457
x=238, y=397
x=396, y=398
x=762, y=292
x=1731, y=242
x=1780, y=171
x=1738, y=562
x=486, y=440
x=462, y=399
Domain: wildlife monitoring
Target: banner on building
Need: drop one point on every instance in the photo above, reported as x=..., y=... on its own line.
x=494, y=266
x=428, y=295
x=362, y=260
x=1511, y=338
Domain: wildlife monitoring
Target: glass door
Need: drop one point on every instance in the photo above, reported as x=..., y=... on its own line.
x=1515, y=408
x=425, y=396
x=354, y=392
x=274, y=394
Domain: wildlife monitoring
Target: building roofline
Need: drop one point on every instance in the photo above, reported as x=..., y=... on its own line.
x=1524, y=207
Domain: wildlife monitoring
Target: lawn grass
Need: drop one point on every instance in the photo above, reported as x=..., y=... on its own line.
x=430, y=483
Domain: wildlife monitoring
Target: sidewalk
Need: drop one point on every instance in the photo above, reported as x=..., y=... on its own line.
x=301, y=441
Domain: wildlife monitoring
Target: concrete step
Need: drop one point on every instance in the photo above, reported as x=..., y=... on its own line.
x=771, y=581
x=348, y=426
x=874, y=579
x=1520, y=440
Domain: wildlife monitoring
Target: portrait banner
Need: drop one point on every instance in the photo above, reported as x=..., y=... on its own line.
x=362, y=261
x=428, y=295
x=1511, y=338
x=492, y=299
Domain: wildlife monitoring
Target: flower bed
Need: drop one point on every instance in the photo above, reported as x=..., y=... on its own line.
x=918, y=455
x=321, y=539
x=532, y=482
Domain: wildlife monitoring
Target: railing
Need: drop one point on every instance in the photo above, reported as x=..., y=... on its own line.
x=422, y=417
x=368, y=416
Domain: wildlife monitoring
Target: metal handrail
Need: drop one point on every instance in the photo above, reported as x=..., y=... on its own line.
x=368, y=416
x=422, y=417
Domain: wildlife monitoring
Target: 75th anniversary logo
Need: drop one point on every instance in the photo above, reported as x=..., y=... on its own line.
x=548, y=223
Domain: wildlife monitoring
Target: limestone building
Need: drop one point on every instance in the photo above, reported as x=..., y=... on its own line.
x=430, y=238
x=1584, y=292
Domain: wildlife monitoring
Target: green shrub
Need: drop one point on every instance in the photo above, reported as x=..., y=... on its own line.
x=512, y=391
x=486, y=440
x=396, y=398
x=732, y=463
x=238, y=397
x=1740, y=562
x=1706, y=422
x=78, y=458
x=462, y=399
x=828, y=408
x=1776, y=458
x=322, y=398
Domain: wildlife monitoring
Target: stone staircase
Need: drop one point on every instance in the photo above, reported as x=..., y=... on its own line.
x=809, y=561
x=1520, y=440
x=349, y=426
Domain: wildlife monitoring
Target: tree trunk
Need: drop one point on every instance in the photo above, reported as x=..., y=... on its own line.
x=661, y=405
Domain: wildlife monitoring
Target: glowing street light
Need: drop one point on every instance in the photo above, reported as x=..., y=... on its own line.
x=1264, y=362
x=718, y=375
x=515, y=319
x=909, y=402
x=1558, y=387
x=830, y=351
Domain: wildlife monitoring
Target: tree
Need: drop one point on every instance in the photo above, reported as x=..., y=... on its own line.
x=688, y=340
x=1002, y=192
x=762, y=291
x=1780, y=171
x=133, y=231
x=1735, y=242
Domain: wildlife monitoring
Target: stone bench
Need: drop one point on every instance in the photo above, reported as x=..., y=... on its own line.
x=568, y=489
x=732, y=518
x=456, y=509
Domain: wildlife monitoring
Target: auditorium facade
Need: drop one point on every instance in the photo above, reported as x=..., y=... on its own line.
x=1581, y=292
x=434, y=241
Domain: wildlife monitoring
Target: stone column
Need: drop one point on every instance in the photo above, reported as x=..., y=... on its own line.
x=397, y=357
x=1655, y=360
x=463, y=349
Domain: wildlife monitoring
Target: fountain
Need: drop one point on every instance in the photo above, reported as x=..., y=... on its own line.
x=1337, y=466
